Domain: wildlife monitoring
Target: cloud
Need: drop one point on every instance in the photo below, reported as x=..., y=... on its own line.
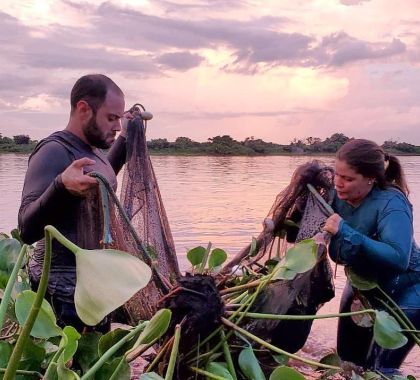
x=353, y=2
x=339, y=49
x=180, y=61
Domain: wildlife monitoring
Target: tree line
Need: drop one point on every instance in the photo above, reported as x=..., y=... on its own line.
x=226, y=145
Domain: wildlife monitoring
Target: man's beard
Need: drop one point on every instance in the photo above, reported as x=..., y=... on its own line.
x=93, y=134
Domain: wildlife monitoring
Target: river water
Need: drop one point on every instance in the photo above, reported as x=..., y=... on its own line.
x=222, y=200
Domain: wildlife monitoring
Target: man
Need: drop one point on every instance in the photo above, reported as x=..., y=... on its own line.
x=56, y=184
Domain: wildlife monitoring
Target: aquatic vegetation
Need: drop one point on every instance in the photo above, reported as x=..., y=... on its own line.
x=224, y=349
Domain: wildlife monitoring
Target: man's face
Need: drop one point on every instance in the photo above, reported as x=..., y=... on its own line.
x=101, y=129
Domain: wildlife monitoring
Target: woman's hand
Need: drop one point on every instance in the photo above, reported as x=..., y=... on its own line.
x=332, y=224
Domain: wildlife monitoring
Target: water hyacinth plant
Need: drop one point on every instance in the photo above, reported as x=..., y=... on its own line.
x=229, y=352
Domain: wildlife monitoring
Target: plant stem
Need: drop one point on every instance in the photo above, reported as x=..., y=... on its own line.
x=238, y=288
x=24, y=373
x=29, y=323
x=206, y=256
x=397, y=309
x=207, y=374
x=400, y=320
x=300, y=317
x=9, y=287
x=411, y=331
x=174, y=354
x=228, y=356
x=276, y=349
x=62, y=239
x=111, y=351
x=160, y=354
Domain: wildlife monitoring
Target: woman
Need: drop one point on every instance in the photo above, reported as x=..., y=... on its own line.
x=373, y=234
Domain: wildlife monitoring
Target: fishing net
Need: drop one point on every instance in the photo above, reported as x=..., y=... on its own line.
x=297, y=214
x=136, y=224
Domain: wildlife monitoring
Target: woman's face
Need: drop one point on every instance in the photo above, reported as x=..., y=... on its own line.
x=351, y=186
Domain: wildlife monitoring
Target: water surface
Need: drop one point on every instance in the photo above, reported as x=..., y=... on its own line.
x=222, y=200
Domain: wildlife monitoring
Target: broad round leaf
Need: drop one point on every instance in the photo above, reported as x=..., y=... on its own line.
x=45, y=325
x=196, y=255
x=156, y=327
x=72, y=337
x=387, y=332
x=286, y=373
x=284, y=273
x=301, y=257
x=150, y=376
x=331, y=359
x=9, y=253
x=249, y=365
x=112, y=337
x=217, y=257
x=219, y=369
x=106, y=279
x=280, y=359
x=87, y=352
x=5, y=353
x=359, y=282
x=298, y=259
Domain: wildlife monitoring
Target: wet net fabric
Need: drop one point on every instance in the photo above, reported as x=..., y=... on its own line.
x=295, y=215
x=287, y=218
x=140, y=227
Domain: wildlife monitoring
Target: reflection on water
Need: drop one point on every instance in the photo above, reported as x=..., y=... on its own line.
x=222, y=200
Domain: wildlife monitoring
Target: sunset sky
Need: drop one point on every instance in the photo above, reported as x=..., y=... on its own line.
x=270, y=69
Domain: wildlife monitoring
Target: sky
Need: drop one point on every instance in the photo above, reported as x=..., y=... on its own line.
x=272, y=69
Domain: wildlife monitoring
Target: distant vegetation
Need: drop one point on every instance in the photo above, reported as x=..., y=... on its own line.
x=226, y=145
x=17, y=144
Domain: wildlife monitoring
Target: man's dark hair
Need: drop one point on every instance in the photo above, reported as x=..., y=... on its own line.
x=92, y=89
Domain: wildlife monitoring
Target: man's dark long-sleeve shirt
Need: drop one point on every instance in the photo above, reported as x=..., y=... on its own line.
x=46, y=201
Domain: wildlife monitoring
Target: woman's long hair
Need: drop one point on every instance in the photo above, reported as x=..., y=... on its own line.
x=369, y=159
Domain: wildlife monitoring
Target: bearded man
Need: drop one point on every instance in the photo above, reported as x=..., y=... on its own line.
x=57, y=183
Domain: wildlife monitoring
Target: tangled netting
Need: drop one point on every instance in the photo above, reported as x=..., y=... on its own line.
x=295, y=215
x=140, y=227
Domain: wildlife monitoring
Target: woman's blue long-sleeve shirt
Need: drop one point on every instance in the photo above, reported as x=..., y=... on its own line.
x=376, y=238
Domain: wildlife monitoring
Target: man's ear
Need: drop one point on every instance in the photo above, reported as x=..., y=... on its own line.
x=84, y=110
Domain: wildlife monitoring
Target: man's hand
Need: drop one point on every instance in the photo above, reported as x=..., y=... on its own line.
x=124, y=123
x=75, y=180
x=332, y=224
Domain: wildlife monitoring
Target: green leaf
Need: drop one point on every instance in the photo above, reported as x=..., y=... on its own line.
x=217, y=257
x=253, y=249
x=5, y=352
x=249, y=365
x=359, y=282
x=286, y=373
x=111, y=338
x=87, y=352
x=283, y=273
x=219, y=369
x=106, y=279
x=16, y=235
x=45, y=325
x=156, y=327
x=331, y=359
x=108, y=369
x=299, y=259
x=280, y=359
x=71, y=342
x=371, y=376
x=150, y=376
x=387, y=332
x=9, y=253
x=65, y=373
x=196, y=255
